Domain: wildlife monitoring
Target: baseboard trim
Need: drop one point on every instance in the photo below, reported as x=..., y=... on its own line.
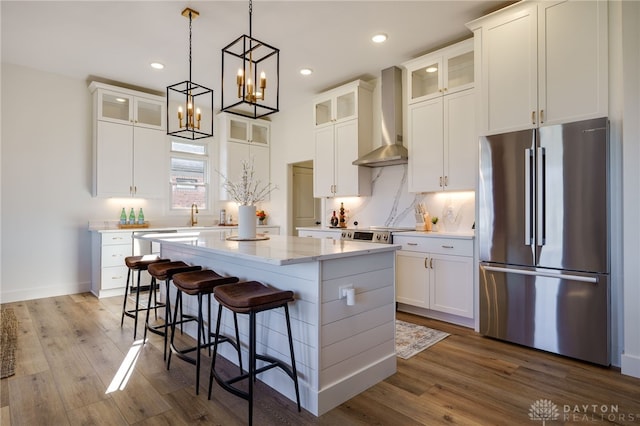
x=630, y=365
x=43, y=292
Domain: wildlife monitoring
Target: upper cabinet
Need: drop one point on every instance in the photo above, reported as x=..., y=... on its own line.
x=337, y=105
x=441, y=122
x=125, y=108
x=246, y=130
x=343, y=132
x=542, y=63
x=129, y=143
x=443, y=72
x=243, y=139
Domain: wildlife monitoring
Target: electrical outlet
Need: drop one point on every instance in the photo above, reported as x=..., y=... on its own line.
x=342, y=290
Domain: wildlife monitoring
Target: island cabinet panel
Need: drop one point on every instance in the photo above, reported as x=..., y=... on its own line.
x=362, y=334
x=340, y=350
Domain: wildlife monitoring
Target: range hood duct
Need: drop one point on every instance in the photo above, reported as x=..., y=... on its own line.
x=392, y=151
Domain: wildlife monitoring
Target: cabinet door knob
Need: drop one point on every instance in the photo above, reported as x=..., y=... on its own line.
x=447, y=247
x=541, y=116
x=412, y=244
x=431, y=263
x=425, y=263
x=446, y=181
x=533, y=117
x=441, y=181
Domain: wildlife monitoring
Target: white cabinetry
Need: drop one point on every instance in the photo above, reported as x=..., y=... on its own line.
x=109, y=272
x=343, y=131
x=441, y=120
x=436, y=274
x=129, y=143
x=243, y=139
x=542, y=63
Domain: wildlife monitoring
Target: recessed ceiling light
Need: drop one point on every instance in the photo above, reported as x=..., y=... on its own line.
x=306, y=71
x=379, y=38
x=157, y=65
x=121, y=100
x=431, y=69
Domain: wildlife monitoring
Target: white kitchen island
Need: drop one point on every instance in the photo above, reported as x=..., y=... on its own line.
x=340, y=350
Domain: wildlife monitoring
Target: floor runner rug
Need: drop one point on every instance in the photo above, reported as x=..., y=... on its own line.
x=413, y=338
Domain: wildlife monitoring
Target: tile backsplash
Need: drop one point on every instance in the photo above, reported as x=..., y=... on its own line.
x=390, y=204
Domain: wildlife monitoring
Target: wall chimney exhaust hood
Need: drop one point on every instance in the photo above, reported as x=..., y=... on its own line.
x=392, y=151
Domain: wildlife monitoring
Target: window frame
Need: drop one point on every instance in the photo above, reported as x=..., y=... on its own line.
x=205, y=157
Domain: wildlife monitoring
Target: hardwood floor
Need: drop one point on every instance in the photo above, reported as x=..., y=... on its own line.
x=71, y=347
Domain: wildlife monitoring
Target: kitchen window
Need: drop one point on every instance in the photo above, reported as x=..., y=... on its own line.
x=189, y=175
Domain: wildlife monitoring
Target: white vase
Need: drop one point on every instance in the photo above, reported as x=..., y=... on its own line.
x=246, y=222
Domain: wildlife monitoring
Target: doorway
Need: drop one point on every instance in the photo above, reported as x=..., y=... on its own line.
x=305, y=210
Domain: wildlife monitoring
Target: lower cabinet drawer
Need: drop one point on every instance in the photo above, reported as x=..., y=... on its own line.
x=114, y=255
x=114, y=277
x=111, y=238
x=453, y=246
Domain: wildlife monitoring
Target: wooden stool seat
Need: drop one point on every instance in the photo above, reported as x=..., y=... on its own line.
x=252, y=297
x=203, y=281
x=142, y=262
x=166, y=270
x=200, y=283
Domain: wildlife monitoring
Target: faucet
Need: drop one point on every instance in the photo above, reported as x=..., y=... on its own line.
x=194, y=218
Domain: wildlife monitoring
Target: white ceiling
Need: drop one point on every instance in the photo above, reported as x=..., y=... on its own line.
x=116, y=40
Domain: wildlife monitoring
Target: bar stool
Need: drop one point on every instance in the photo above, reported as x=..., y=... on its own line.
x=139, y=264
x=200, y=283
x=165, y=271
x=251, y=297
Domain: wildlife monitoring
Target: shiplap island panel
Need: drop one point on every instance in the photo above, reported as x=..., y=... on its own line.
x=340, y=350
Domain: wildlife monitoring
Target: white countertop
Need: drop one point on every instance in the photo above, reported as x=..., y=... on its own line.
x=113, y=228
x=469, y=235
x=277, y=250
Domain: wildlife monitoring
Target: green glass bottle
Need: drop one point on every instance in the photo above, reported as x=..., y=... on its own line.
x=132, y=217
x=123, y=217
x=140, y=217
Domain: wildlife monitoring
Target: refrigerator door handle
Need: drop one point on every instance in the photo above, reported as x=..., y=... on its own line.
x=541, y=224
x=528, y=157
x=542, y=274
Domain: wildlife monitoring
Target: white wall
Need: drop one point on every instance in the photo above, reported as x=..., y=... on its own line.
x=46, y=186
x=630, y=12
x=46, y=157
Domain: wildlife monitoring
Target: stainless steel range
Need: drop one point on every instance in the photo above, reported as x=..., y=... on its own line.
x=375, y=234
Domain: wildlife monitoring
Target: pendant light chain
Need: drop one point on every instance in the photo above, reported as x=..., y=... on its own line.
x=250, y=15
x=190, y=45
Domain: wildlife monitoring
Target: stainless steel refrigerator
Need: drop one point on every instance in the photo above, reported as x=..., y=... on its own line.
x=543, y=238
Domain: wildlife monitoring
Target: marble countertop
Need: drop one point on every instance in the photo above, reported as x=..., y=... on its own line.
x=277, y=250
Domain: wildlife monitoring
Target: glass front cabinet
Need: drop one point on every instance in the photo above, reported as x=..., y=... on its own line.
x=447, y=71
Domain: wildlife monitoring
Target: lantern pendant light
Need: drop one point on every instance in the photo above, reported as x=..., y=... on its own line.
x=189, y=105
x=250, y=76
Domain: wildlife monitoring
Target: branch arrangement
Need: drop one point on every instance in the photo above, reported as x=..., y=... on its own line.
x=248, y=190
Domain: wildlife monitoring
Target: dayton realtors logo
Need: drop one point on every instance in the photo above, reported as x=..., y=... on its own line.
x=545, y=410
